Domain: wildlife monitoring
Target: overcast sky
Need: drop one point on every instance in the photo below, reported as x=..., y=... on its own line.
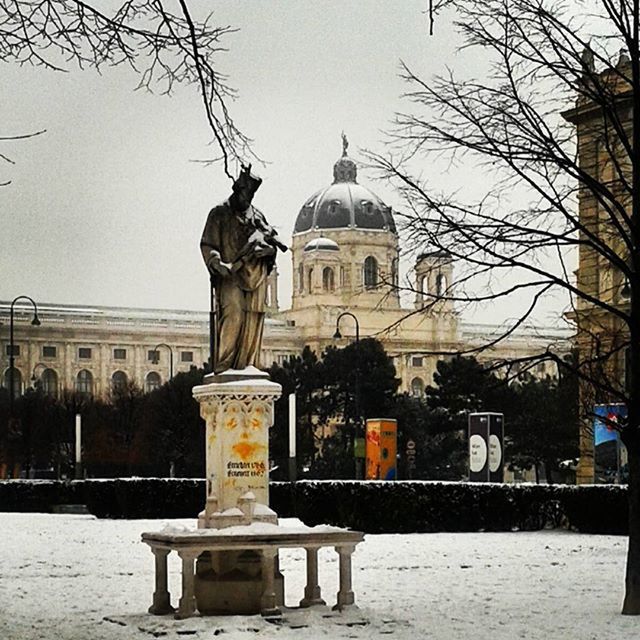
x=106, y=207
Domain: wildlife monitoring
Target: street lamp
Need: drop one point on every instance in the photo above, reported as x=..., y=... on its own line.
x=358, y=426
x=156, y=357
x=36, y=323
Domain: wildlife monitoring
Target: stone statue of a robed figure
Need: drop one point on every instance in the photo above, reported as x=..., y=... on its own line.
x=230, y=566
x=239, y=248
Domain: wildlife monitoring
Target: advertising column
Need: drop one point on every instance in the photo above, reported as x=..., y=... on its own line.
x=381, y=449
x=496, y=440
x=486, y=437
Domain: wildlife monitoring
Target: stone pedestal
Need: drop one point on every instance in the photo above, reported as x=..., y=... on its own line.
x=237, y=407
x=238, y=414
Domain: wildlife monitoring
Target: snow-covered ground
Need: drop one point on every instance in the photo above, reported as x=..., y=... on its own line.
x=68, y=577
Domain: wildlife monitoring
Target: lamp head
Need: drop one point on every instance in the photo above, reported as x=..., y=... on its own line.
x=36, y=321
x=337, y=335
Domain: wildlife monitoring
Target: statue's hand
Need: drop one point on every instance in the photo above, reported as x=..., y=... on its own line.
x=216, y=265
x=264, y=251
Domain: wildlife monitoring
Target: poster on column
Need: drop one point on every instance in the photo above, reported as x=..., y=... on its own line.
x=486, y=447
x=609, y=453
x=381, y=449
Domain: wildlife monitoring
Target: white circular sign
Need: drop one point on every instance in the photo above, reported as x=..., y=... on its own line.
x=477, y=453
x=495, y=453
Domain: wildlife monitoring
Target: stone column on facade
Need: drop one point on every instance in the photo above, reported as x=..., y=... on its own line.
x=138, y=364
x=585, y=468
x=68, y=366
x=104, y=382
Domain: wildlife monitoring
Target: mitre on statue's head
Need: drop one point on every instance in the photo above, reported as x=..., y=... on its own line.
x=246, y=181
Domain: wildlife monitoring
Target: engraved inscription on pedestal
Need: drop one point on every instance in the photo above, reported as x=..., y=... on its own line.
x=238, y=416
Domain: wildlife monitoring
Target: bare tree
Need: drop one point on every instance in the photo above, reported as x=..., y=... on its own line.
x=553, y=131
x=164, y=46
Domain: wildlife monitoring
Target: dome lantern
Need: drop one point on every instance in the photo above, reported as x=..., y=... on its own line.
x=345, y=170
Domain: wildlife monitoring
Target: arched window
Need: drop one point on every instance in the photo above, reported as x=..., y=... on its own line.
x=84, y=382
x=441, y=284
x=17, y=381
x=310, y=277
x=152, y=381
x=50, y=383
x=328, y=283
x=422, y=285
x=417, y=388
x=119, y=381
x=370, y=273
x=301, y=278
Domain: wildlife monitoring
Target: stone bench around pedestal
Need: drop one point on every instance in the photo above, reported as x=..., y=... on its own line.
x=263, y=538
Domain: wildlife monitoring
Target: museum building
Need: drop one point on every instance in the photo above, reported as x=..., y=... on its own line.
x=346, y=255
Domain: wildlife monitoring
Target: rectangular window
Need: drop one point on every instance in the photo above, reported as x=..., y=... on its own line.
x=416, y=361
x=119, y=354
x=49, y=352
x=186, y=356
x=16, y=350
x=84, y=353
x=153, y=356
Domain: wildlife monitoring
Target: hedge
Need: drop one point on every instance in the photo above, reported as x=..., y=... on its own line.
x=372, y=507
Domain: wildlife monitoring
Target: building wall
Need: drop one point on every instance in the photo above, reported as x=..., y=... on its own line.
x=597, y=331
x=104, y=329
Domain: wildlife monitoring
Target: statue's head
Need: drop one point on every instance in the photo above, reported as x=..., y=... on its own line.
x=245, y=186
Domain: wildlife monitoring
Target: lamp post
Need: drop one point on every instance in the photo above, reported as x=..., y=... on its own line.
x=156, y=357
x=358, y=423
x=36, y=323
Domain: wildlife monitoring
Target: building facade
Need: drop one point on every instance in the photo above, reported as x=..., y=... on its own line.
x=345, y=254
x=601, y=337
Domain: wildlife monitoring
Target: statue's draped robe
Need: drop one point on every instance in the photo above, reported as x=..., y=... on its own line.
x=241, y=295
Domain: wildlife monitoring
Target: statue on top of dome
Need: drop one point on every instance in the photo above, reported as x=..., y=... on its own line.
x=345, y=144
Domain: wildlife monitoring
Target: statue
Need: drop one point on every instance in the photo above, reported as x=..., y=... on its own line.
x=239, y=248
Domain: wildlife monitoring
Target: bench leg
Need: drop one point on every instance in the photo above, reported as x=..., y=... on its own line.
x=312, y=594
x=187, y=603
x=268, y=606
x=161, y=597
x=345, y=594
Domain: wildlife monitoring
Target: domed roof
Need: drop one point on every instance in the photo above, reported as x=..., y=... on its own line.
x=321, y=244
x=345, y=203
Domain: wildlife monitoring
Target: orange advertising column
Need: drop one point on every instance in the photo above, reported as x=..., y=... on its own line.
x=381, y=449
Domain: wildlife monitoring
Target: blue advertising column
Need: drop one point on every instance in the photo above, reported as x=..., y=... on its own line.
x=486, y=447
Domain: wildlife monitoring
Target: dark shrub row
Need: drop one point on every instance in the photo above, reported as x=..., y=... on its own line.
x=373, y=507
x=403, y=507
x=121, y=498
